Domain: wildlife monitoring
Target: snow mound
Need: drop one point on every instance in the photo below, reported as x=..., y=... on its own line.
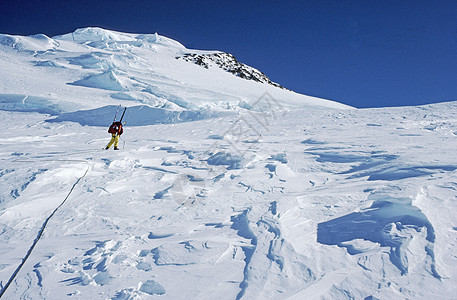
x=221, y=158
x=50, y=64
x=106, y=81
x=38, y=42
x=94, y=34
x=152, y=287
x=389, y=222
x=94, y=60
x=188, y=253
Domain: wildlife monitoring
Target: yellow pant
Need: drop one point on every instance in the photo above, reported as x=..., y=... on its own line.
x=115, y=140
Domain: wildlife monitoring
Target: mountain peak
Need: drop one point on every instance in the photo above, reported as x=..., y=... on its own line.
x=98, y=37
x=95, y=34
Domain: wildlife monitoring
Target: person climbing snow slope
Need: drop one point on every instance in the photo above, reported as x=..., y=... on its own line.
x=116, y=130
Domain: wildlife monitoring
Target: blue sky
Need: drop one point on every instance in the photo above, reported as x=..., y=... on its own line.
x=361, y=53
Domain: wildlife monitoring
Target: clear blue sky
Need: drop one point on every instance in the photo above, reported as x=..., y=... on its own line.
x=362, y=53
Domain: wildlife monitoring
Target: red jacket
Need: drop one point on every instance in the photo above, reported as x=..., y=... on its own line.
x=116, y=128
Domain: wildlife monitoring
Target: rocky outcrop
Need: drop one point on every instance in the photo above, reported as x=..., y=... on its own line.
x=229, y=63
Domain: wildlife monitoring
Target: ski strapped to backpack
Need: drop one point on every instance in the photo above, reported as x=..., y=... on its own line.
x=115, y=115
x=125, y=108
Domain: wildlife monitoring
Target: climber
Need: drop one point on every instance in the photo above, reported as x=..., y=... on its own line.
x=116, y=130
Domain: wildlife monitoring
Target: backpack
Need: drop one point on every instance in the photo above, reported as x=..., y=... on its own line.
x=116, y=128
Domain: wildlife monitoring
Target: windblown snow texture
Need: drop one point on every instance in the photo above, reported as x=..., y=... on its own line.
x=225, y=187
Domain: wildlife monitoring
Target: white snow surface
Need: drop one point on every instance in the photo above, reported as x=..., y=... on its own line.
x=224, y=188
x=93, y=67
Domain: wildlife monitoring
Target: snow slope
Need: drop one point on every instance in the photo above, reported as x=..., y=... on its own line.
x=224, y=188
x=92, y=68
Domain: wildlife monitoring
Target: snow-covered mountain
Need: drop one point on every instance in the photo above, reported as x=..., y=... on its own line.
x=226, y=186
x=93, y=68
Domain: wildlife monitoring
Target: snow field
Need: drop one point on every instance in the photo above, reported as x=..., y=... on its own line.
x=299, y=212
x=223, y=188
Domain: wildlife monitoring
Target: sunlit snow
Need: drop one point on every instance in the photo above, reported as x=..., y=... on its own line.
x=224, y=188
